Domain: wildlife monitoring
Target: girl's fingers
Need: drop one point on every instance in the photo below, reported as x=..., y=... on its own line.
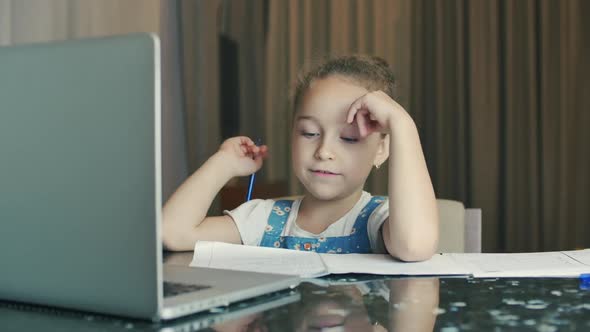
x=245, y=148
x=258, y=158
x=362, y=123
x=365, y=119
x=256, y=151
x=244, y=140
x=350, y=116
x=262, y=151
x=356, y=106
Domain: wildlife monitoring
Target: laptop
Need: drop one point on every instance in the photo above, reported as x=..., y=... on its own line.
x=80, y=185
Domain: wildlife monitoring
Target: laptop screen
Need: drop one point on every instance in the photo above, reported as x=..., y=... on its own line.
x=80, y=175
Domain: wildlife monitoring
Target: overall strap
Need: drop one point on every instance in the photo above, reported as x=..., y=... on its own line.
x=355, y=242
x=276, y=222
x=365, y=213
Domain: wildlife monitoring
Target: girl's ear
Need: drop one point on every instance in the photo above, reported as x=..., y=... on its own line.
x=382, y=151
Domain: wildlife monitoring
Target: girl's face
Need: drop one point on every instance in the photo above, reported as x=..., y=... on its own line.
x=329, y=157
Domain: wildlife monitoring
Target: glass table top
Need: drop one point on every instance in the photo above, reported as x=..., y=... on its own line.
x=359, y=303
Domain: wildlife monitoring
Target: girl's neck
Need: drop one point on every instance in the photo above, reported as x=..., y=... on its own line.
x=316, y=215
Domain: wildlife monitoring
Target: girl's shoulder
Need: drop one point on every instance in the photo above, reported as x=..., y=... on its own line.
x=370, y=195
x=288, y=198
x=377, y=204
x=263, y=204
x=254, y=204
x=367, y=197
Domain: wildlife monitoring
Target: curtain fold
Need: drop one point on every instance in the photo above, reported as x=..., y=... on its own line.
x=483, y=132
x=496, y=86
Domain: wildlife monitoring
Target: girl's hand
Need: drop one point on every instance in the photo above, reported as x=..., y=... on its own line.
x=375, y=112
x=242, y=155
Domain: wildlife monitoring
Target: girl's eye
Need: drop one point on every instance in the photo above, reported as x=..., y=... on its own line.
x=308, y=135
x=349, y=139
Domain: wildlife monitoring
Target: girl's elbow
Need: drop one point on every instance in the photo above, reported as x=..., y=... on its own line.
x=413, y=255
x=415, y=250
x=168, y=242
x=171, y=239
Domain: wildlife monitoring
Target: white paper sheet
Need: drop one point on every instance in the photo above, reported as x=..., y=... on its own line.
x=582, y=256
x=535, y=264
x=386, y=265
x=258, y=259
x=310, y=264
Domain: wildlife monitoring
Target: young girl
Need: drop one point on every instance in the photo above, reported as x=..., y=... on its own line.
x=345, y=123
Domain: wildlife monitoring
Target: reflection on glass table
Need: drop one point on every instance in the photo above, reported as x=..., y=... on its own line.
x=377, y=305
x=240, y=316
x=359, y=303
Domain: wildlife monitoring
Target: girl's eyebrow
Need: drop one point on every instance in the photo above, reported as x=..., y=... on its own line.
x=347, y=126
x=305, y=117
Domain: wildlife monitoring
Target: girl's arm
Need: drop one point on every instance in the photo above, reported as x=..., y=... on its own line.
x=185, y=218
x=411, y=231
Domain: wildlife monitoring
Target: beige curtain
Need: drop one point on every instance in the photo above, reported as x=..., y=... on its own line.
x=199, y=50
x=28, y=21
x=498, y=89
x=300, y=34
x=25, y=21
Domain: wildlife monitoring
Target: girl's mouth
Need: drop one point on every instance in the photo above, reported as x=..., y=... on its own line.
x=320, y=172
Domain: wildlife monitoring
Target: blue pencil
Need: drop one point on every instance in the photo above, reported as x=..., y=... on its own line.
x=250, y=186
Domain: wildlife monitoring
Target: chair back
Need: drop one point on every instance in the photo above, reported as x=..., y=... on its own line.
x=460, y=228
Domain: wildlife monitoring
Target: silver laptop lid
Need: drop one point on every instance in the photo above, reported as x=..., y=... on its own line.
x=80, y=174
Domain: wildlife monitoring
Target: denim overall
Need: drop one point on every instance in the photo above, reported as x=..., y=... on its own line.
x=357, y=242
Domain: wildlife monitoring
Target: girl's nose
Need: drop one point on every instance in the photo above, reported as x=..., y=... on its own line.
x=323, y=152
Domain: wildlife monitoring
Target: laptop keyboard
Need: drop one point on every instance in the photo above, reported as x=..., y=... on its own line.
x=175, y=288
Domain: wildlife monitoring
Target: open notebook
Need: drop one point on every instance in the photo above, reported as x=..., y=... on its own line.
x=308, y=264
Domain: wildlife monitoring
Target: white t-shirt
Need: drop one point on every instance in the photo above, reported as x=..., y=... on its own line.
x=251, y=219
